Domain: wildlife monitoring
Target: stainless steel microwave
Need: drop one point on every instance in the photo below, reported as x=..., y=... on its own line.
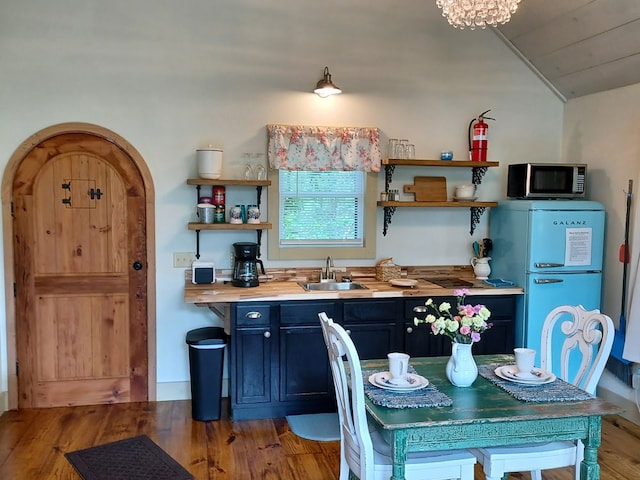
x=547, y=180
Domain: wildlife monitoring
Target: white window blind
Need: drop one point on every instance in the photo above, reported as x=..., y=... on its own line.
x=321, y=208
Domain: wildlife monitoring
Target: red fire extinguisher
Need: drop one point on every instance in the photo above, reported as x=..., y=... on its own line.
x=478, y=143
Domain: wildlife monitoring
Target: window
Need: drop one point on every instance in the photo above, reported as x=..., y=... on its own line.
x=322, y=213
x=321, y=208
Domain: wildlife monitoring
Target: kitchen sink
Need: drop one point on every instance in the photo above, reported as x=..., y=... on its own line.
x=331, y=286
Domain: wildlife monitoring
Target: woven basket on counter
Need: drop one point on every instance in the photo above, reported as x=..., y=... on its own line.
x=386, y=272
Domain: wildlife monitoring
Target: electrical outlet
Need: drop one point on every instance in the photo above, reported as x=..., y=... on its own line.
x=635, y=381
x=183, y=259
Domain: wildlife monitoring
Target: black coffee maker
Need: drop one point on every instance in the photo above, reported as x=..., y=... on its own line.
x=245, y=269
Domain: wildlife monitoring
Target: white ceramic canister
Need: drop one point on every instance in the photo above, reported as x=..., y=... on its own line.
x=209, y=162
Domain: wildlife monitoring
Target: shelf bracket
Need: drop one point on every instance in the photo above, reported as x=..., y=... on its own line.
x=259, y=194
x=388, y=213
x=476, y=213
x=259, y=242
x=388, y=176
x=197, y=244
x=477, y=174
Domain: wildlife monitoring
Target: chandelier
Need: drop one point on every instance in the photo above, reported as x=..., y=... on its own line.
x=477, y=13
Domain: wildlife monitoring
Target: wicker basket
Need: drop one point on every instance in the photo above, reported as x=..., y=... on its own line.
x=386, y=272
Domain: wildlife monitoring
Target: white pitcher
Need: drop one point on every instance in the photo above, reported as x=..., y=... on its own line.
x=461, y=369
x=481, y=267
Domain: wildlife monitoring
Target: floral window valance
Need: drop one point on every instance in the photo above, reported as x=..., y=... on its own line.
x=296, y=147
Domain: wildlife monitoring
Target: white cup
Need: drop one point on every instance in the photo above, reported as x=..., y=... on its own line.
x=398, y=367
x=525, y=358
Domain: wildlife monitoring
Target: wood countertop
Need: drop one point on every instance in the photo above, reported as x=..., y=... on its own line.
x=282, y=285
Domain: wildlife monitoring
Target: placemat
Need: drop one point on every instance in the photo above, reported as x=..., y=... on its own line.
x=428, y=396
x=556, y=391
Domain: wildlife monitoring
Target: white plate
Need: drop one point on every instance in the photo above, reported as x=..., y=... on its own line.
x=509, y=372
x=465, y=199
x=403, y=282
x=381, y=380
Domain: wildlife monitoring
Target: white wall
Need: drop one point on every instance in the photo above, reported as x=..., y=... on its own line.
x=171, y=77
x=602, y=131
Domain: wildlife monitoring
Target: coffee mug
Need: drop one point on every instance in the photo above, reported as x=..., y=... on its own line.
x=253, y=214
x=525, y=359
x=398, y=367
x=235, y=214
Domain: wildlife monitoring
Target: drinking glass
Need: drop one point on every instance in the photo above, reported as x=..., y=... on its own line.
x=410, y=151
x=248, y=168
x=392, y=149
x=402, y=148
x=260, y=171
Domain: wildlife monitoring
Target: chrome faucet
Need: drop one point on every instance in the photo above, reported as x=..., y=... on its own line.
x=327, y=268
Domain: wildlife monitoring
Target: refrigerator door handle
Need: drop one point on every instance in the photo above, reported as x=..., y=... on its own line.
x=540, y=281
x=548, y=265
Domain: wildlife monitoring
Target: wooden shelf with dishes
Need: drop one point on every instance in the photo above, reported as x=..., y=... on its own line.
x=478, y=170
x=219, y=182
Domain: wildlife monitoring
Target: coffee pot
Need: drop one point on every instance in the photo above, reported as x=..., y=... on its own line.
x=245, y=269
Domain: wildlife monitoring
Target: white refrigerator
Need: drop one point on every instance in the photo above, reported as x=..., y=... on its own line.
x=553, y=249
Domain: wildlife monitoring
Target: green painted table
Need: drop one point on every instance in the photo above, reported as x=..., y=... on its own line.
x=485, y=415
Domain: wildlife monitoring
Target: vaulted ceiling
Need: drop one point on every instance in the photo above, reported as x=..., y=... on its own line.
x=578, y=47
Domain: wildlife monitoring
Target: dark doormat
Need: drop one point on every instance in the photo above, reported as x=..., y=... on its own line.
x=137, y=458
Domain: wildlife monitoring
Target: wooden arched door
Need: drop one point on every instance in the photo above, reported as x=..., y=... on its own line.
x=81, y=264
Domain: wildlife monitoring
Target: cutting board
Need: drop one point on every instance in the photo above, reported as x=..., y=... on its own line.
x=428, y=189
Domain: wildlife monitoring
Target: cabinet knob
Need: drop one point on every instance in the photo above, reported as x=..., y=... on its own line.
x=253, y=315
x=267, y=334
x=409, y=329
x=420, y=309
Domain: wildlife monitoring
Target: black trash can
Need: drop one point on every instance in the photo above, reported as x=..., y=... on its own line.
x=206, y=358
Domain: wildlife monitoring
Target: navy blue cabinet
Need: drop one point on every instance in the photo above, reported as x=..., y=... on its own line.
x=278, y=359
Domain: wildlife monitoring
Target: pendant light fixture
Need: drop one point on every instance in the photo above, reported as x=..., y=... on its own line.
x=477, y=13
x=325, y=86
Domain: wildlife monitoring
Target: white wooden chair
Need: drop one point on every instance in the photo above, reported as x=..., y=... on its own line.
x=591, y=333
x=364, y=454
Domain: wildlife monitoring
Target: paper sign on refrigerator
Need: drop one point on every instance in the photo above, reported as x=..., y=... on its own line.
x=578, y=247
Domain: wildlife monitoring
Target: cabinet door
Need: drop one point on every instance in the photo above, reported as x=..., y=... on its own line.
x=252, y=351
x=373, y=340
x=374, y=326
x=304, y=364
x=420, y=342
x=501, y=337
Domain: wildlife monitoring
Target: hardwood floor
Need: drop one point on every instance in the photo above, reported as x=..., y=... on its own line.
x=33, y=443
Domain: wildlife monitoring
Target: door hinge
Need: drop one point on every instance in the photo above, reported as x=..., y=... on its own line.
x=12, y=214
x=15, y=289
x=17, y=368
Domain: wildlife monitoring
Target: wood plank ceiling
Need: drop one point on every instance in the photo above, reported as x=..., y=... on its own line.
x=578, y=46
